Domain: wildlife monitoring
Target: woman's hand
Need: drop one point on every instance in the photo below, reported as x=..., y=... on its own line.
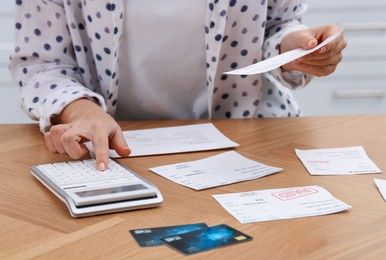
x=82, y=121
x=322, y=62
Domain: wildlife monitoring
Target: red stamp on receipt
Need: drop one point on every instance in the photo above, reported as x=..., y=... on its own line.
x=294, y=193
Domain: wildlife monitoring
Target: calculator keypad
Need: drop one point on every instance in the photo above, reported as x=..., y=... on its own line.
x=80, y=172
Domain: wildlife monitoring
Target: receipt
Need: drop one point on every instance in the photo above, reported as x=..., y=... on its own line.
x=337, y=161
x=222, y=169
x=174, y=139
x=279, y=60
x=277, y=204
x=381, y=184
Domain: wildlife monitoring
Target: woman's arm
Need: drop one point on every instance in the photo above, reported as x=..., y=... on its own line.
x=55, y=88
x=43, y=61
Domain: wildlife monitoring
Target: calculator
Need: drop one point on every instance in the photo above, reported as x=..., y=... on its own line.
x=87, y=191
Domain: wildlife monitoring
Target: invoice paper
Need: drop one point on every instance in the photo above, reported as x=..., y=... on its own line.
x=175, y=139
x=221, y=169
x=279, y=60
x=335, y=161
x=275, y=204
x=381, y=184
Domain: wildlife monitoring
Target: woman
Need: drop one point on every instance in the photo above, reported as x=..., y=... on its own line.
x=167, y=60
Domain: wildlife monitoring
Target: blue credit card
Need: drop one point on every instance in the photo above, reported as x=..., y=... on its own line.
x=206, y=239
x=151, y=236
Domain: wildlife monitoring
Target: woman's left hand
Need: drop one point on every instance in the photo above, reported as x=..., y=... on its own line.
x=321, y=62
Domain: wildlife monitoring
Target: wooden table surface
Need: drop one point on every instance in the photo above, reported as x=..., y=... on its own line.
x=36, y=224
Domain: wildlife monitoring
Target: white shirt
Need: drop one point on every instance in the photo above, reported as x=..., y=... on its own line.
x=162, y=78
x=71, y=50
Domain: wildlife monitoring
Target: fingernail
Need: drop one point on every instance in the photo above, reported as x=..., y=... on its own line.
x=101, y=166
x=323, y=49
x=310, y=43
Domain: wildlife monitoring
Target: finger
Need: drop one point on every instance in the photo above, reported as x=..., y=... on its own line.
x=336, y=46
x=327, y=61
x=56, y=133
x=100, y=142
x=304, y=39
x=72, y=144
x=318, y=71
x=119, y=144
x=319, y=56
x=331, y=53
x=323, y=32
x=49, y=142
x=308, y=41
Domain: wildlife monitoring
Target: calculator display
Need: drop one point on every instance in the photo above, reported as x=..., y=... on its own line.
x=112, y=190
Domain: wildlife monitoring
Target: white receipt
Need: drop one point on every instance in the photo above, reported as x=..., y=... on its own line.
x=336, y=161
x=279, y=60
x=381, y=184
x=275, y=204
x=175, y=139
x=222, y=169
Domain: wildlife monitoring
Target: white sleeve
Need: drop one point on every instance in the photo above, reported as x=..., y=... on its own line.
x=43, y=62
x=284, y=17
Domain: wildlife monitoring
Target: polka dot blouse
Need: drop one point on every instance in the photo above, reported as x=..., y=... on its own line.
x=68, y=49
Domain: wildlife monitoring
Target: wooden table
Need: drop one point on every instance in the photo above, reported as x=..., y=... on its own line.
x=34, y=223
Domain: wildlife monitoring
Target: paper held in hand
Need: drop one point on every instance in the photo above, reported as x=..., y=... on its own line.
x=279, y=60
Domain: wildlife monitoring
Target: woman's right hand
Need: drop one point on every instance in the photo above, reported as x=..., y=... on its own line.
x=83, y=121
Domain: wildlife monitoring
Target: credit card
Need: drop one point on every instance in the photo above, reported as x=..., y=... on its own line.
x=151, y=236
x=206, y=239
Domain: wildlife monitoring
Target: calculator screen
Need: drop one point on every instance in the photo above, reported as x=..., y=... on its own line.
x=105, y=191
